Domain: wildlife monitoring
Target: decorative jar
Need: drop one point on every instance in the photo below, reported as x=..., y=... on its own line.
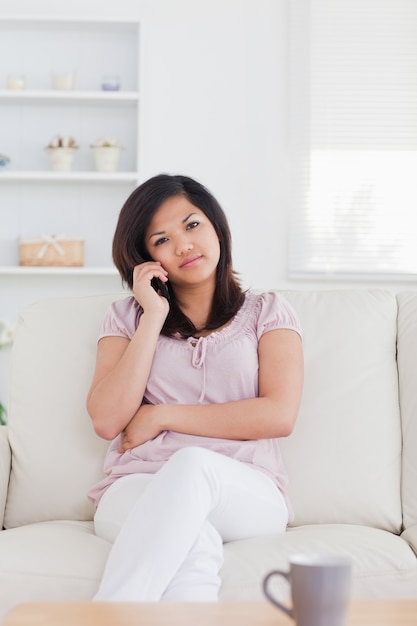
x=106, y=154
x=61, y=152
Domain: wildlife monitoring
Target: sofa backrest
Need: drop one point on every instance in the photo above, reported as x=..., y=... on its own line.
x=56, y=455
x=344, y=456
x=343, y=459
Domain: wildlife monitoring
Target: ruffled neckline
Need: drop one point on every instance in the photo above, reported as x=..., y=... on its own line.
x=233, y=328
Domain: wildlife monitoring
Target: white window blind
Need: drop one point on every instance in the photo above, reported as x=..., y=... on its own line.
x=354, y=138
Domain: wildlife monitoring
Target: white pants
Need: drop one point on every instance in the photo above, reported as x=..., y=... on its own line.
x=168, y=528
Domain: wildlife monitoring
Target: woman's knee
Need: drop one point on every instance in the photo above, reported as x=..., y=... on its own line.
x=196, y=466
x=194, y=459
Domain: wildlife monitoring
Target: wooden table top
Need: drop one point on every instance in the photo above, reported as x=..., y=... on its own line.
x=360, y=613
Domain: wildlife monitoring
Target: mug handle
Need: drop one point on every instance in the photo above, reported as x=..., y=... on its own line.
x=270, y=597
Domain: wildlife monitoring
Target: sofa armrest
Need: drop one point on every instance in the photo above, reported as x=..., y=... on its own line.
x=5, y=465
x=410, y=536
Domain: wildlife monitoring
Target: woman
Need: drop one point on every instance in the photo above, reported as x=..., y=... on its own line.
x=195, y=380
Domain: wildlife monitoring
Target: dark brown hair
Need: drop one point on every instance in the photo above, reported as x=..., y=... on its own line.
x=129, y=247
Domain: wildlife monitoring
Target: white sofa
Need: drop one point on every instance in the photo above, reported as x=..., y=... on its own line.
x=352, y=459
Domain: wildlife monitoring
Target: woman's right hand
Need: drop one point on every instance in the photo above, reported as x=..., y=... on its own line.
x=144, y=293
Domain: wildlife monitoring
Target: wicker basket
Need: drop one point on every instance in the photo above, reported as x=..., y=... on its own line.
x=51, y=251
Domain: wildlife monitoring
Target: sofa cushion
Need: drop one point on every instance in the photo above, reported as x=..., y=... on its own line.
x=383, y=564
x=407, y=369
x=344, y=456
x=56, y=454
x=48, y=561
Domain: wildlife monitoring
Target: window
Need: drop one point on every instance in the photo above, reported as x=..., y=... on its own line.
x=354, y=138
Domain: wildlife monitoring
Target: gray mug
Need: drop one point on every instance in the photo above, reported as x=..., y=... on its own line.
x=320, y=589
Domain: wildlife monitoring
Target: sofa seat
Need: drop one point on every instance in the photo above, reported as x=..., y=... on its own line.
x=48, y=560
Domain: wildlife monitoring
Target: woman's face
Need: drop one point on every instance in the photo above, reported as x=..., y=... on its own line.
x=182, y=238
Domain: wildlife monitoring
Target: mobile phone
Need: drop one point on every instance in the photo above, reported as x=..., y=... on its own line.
x=160, y=287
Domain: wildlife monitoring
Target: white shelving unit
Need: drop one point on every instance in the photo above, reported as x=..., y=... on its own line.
x=81, y=203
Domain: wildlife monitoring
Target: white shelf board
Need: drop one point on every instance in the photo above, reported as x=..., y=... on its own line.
x=62, y=20
x=17, y=270
x=54, y=95
x=67, y=177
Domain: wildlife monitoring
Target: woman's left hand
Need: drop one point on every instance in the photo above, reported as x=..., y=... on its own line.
x=142, y=428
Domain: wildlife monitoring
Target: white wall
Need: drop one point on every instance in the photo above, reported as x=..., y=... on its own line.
x=215, y=106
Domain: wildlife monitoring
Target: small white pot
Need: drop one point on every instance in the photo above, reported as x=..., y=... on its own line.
x=61, y=159
x=63, y=81
x=107, y=159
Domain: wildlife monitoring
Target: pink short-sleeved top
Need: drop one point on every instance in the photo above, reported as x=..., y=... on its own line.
x=221, y=367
